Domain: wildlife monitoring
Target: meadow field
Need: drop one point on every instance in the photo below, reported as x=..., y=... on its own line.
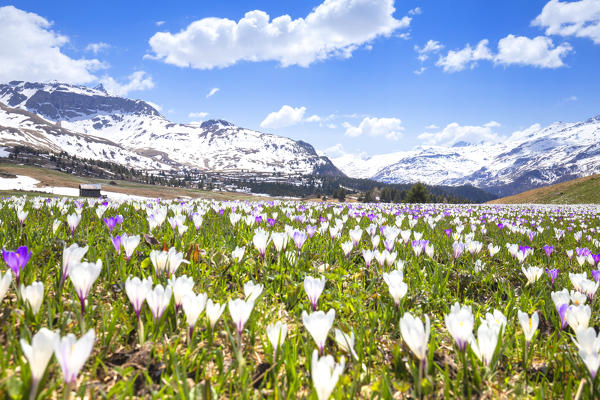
x=284, y=300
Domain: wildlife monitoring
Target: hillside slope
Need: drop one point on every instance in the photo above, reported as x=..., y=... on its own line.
x=584, y=190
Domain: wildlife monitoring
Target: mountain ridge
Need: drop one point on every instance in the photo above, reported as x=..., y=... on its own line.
x=146, y=138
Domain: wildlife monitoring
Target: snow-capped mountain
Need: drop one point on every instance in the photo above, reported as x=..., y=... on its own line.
x=139, y=130
x=527, y=160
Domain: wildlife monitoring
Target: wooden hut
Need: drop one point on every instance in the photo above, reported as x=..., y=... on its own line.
x=90, y=190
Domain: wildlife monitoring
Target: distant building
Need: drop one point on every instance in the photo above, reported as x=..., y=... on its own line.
x=90, y=190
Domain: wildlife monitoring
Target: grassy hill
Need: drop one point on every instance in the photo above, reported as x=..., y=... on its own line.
x=584, y=190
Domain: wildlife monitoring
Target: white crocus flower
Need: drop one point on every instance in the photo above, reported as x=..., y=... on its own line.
x=485, y=345
x=325, y=374
x=71, y=256
x=532, y=274
x=33, y=294
x=181, y=286
x=5, y=281
x=529, y=324
x=137, y=290
x=276, y=333
x=460, y=324
x=175, y=259
x=578, y=316
x=313, y=288
x=129, y=243
x=158, y=300
x=159, y=261
x=213, y=312
x=415, y=335
x=252, y=291
x=240, y=311
x=72, y=354
x=73, y=221
x=318, y=325
x=193, y=305
x=38, y=353
x=83, y=275
x=346, y=342
x=396, y=285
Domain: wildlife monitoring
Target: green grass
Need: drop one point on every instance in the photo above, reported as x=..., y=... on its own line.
x=168, y=366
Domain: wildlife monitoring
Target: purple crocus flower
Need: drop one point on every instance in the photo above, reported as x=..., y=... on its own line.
x=299, y=239
x=562, y=313
x=311, y=230
x=221, y=211
x=596, y=275
x=500, y=225
x=16, y=260
x=548, y=250
x=596, y=258
x=258, y=219
x=448, y=232
x=116, y=241
x=271, y=221
x=110, y=223
x=552, y=274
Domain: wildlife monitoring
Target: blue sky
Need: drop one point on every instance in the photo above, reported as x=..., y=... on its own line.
x=341, y=74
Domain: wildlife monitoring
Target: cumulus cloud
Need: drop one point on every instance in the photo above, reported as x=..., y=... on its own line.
x=573, y=18
x=458, y=60
x=415, y=11
x=156, y=106
x=334, y=28
x=391, y=128
x=198, y=114
x=432, y=46
x=522, y=134
x=30, y=50
x=454, y=133
x=537, y=52
x=139, y=80
x=286, y=116
x=212, y=92
x=97, y=47
x=314, y=118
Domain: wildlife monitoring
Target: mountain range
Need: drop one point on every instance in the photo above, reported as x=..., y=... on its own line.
x=91, y=123
x=532, y=158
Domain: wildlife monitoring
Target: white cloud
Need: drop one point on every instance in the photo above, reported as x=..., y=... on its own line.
x=331, y=126
x=391, y=128
x=457, y=60
x=571, y=98
x=159, y=108
x=432, y=126
x=537, y=52
x=30, y=50
x=314, y=118
x=517, y=135
x=432, y=46
x=139, y=80
x=198, y=114
x=454, y=133
x=512, y=50
x=574, y=18
x=212, y=92
x=336, y=150
x=97, y=47
x=159, y=23
x=415, y=11
x=286, y=116
x=419, y=71
x=334, y=28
